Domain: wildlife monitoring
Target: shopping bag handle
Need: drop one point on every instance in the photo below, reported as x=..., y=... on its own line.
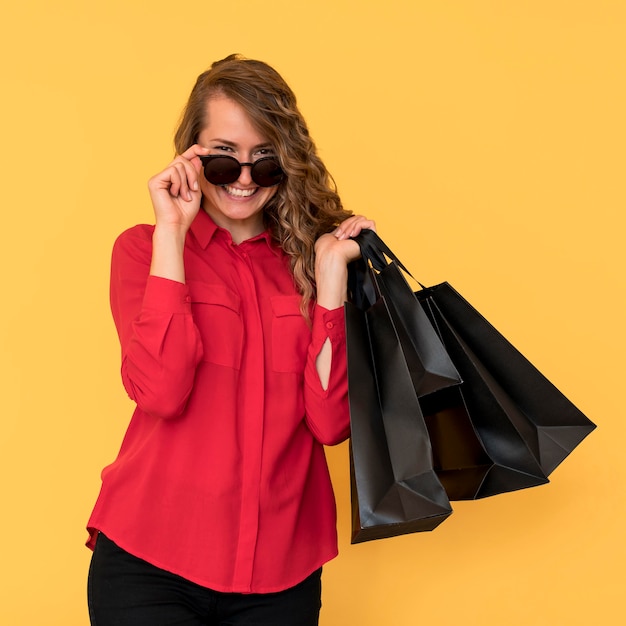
x=374, y=250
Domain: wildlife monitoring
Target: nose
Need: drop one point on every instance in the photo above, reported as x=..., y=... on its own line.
x=245, y=178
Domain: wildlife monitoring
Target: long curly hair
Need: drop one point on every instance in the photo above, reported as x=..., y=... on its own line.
x=306, y=204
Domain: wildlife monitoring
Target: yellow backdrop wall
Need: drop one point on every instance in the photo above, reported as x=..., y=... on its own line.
x=487, y=140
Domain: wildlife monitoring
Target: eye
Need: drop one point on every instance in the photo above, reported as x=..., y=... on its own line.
x=223, y=148
x=263, y=152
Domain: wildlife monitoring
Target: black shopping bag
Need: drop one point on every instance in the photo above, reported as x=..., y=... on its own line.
x=526, y=426
x=393, y=484
x=429, y=364
x=506, y=427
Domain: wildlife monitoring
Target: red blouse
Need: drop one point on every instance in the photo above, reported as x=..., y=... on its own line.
x=221, y=477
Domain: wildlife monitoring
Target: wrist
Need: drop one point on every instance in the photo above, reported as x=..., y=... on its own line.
x=168, y=245
x=169, y=233
x=331, y=276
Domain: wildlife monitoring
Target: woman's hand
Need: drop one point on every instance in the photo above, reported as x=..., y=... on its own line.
x=176, y=198
x=175, y=192
x=333, y=252
x=338, y=243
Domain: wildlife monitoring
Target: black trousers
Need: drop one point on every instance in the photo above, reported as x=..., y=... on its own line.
x=126, y=591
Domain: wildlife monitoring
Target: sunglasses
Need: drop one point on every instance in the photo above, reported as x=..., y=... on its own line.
x=223, y=170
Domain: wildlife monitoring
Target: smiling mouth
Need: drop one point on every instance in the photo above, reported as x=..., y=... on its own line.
x=239, y=193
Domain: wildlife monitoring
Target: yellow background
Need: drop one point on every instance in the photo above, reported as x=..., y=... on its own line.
x=488, y=141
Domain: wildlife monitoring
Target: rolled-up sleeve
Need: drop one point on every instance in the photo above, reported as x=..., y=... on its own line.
x=161, y=346
x=327, y=411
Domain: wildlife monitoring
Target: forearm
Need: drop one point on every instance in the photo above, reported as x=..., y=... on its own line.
x=167, y=253
x=331, y=277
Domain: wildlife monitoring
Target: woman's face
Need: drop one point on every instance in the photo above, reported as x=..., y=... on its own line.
x=238, y=207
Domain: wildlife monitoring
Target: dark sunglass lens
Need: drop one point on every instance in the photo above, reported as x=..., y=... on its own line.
x=267, y=172
x=221, y=170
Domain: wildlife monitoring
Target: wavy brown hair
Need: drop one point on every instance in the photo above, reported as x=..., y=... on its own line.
x=306, y=204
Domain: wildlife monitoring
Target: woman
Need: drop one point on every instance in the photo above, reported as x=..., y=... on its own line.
x=219, y=507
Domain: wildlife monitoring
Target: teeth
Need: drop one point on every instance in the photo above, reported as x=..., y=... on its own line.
x=240, y=193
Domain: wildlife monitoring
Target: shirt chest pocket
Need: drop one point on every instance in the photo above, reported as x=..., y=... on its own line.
x=217, y=314
x=291, y=335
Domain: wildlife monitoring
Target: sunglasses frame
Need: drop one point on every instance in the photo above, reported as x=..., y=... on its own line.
x=211, y=157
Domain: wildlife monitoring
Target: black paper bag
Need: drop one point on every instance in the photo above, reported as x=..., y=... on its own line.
x=524, y=424
x=505, y=427
x=429, y=364
x=394, y=487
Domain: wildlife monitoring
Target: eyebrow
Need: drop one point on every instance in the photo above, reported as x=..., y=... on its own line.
x=232, y=144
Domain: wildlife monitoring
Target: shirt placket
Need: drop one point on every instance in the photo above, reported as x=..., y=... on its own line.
x=251, y=411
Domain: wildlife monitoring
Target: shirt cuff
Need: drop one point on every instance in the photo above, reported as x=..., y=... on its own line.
x=166, y=296
x=328, y=323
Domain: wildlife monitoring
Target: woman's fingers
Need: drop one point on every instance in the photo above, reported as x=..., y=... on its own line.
x=180, y=177
x=186, y=176
x=194, y=151
x=353, y=226
x=175, y=191
x=190, y=160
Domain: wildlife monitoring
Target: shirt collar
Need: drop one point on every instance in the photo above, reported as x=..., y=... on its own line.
x=204, y=229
